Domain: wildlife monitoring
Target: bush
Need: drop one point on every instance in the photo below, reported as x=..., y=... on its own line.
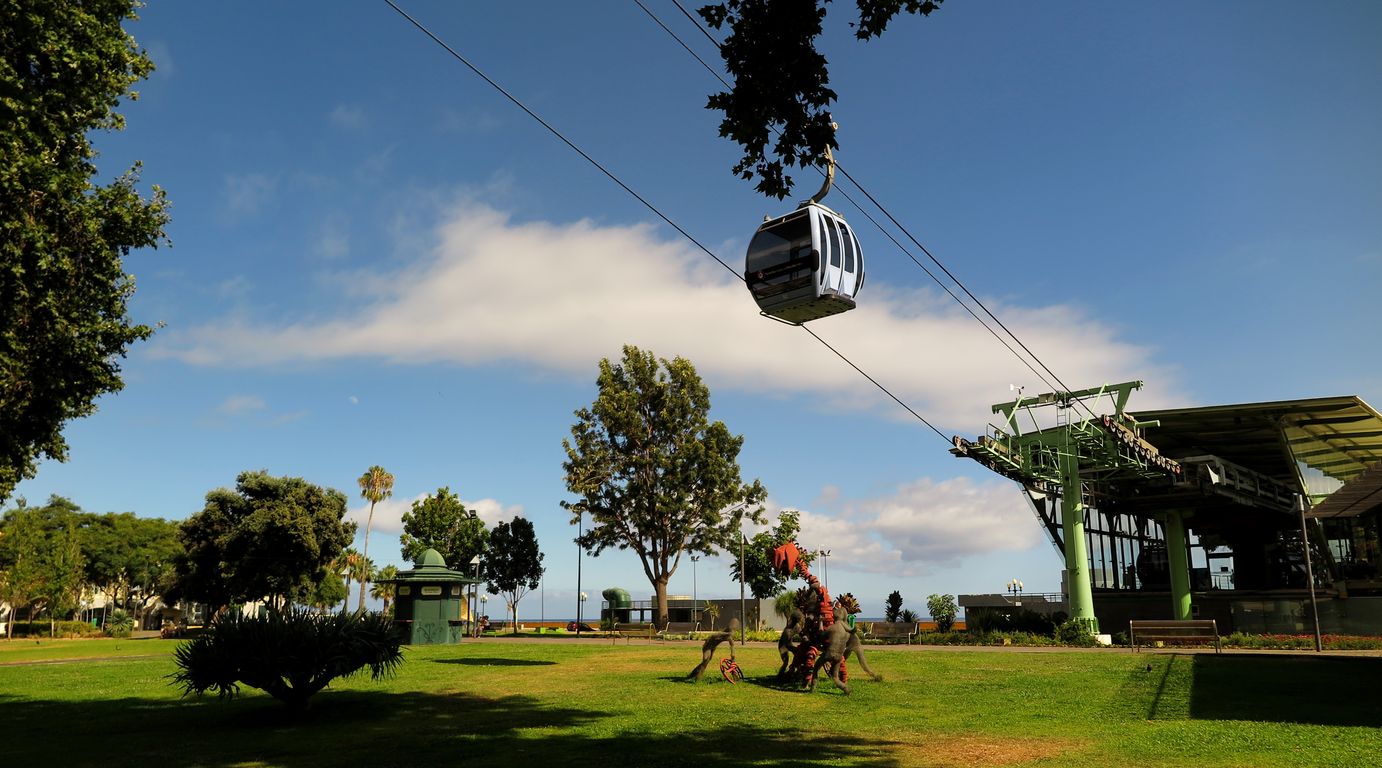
x=41, y=628
x=943, y=611
x=119, y=623
x=290, y=654
x=1076, y=633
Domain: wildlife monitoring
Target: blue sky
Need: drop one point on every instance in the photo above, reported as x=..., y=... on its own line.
x=377, y=259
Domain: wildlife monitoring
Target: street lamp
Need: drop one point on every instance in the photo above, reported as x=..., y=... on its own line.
x=825, y=567
x=580, y=604
x=1015, y=589
x=474, y=588
x=580, y=555
x=695, y=601
x=483, y=599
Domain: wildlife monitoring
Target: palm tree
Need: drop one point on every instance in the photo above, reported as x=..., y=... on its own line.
x=346, y=565
x=383, y=588
x=376, y=485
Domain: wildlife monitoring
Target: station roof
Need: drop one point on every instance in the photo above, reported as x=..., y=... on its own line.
x=1340, y=437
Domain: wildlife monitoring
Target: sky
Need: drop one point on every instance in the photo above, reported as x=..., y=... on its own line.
x=378, y=259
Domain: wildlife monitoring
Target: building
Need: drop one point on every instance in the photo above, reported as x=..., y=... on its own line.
x=1228, y=512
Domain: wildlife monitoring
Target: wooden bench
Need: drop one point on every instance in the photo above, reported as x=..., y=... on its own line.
x=675, y=628
x=892, y=630
x=630, y=631
x=1145, y=632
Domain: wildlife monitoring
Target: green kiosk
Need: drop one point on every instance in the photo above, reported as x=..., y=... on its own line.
x=430, y=601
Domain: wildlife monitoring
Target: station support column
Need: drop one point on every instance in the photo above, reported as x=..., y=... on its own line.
x=1076, y=553
x=1178, y=560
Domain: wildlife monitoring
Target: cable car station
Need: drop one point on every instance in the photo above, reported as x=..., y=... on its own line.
x=1229, y=512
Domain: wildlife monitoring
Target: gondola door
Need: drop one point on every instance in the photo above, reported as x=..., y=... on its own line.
x=852, y=271
x=831, y=261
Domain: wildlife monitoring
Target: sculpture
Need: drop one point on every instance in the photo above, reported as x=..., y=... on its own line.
x=828, y=635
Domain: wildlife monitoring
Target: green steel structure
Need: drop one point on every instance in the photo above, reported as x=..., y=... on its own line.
x=1212, y=512
x=1081, y=457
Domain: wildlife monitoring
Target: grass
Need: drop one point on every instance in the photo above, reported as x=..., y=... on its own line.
x=521, y=703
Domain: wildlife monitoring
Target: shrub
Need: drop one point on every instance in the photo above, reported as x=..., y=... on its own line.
x=119, y=623
x=1074, y=632
x=943, y=611
x=290, y=654
x=42, y=628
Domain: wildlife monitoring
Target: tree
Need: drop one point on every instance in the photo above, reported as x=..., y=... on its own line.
x=345, y=566
x=22, y=545
x=269, y=537
x=763, y=580
x=326, y=591
x=780, y=80
x=441, y=522
x=652, y=472
x=514, y=563
x=62, y=583
x=64, y=319
x=376, y=485
x=382, y=586
x=943, y=610
x=127, y=555
x=41, y=558
x=892, y=610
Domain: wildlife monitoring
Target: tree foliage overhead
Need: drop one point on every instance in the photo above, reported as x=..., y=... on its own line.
x=781, y=82
x=440, y=521
x=64, y=321
x=269, y=537
x=514, y=563
x=652, y=472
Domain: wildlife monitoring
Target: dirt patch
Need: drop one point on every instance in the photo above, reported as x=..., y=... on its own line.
x=984, y=751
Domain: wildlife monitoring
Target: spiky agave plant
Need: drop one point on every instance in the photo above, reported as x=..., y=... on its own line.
x=290, y=654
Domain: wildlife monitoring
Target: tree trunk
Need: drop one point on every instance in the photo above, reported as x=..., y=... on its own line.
x=364, y=556
x=660, y=590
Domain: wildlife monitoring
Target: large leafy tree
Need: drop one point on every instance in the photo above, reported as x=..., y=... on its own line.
x=375, y=486
x=781, y=82
x=41, y=559
x=440, y=521
x=651, y=470
x=64, y=321
x=128, y=557
x=762, y=579
x=514, y=564
x=23, y=552
x=268, y=537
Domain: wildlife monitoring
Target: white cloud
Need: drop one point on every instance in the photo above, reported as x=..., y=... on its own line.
x=349, y=116
x=388, y=514
x=493, y=512
x=238, y=404
x=923, y=527
x=560, y=297
x=353, y=400
x=245, y=194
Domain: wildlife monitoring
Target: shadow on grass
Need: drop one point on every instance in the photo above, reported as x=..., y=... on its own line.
x=490, y=661
x=385, y=729
x=1286, y=688
x=1319, y=690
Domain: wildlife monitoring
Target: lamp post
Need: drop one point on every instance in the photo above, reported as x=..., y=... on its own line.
x=580, y=553
x=474, y=590
x=483, y=599
x=695, y=601
x=825, y=567
x=1015, y=589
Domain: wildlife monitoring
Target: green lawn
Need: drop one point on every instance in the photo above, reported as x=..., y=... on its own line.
x=522, y=703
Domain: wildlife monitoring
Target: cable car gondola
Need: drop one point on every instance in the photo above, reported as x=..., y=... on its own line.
x=806, y=264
